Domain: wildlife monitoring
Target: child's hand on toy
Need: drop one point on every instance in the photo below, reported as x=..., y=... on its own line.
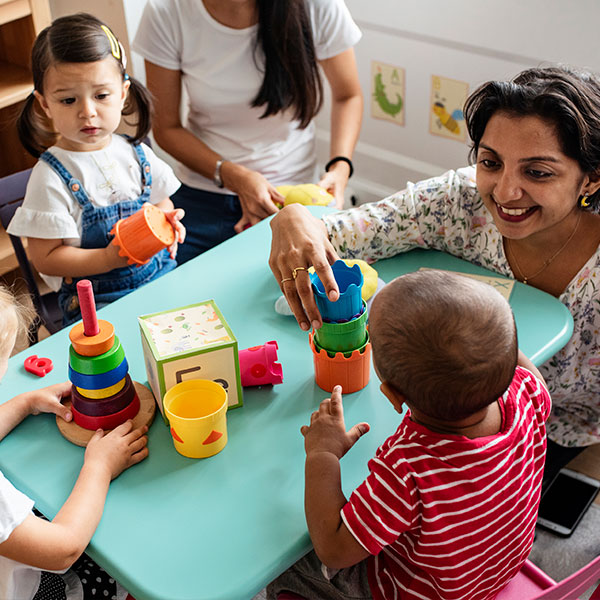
x=327, y=430
x=48, y=400
x=335, y=180
x=119, y=449
x=174, y=217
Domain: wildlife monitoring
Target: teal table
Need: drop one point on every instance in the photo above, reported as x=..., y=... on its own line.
x=181, y=529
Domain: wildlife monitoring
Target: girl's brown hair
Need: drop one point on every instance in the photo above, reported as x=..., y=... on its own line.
x=76, y=38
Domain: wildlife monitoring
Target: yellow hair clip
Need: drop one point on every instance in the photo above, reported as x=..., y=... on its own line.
x=115, y=47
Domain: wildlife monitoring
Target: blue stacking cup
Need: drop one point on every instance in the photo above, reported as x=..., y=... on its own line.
x=349, y=304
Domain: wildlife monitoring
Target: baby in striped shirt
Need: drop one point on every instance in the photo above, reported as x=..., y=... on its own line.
x=449, y=506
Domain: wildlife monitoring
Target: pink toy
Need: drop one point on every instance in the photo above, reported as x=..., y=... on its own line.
x=258, y=365
x=38, y=366
x=87, y=305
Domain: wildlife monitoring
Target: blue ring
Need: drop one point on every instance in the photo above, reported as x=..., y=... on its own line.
x=97, y=382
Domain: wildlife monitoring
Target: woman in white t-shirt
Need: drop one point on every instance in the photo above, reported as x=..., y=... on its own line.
x=250, y=69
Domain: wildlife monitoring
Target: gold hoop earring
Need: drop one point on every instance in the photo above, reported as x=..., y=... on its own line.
x=583, y=202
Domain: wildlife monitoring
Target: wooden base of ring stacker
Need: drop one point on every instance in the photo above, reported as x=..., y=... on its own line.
x=80, y=436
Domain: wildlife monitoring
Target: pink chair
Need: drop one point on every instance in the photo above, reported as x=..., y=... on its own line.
x=531, y=583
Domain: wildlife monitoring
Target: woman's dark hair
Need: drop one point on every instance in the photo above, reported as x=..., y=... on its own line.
x=292, y=77
x=566, y=97
x=76, y=38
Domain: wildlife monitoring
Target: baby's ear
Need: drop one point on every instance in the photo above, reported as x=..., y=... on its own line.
x=393, y=395
x=42, y=102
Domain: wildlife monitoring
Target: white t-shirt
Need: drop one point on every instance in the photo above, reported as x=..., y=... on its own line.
x=16, y=579
x=222, y=74
x=108, y=176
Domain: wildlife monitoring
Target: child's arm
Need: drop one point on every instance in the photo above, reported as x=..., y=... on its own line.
x=47, y=400
x=523, y=361
x=54, y=257
x=56, y=545
x=325, y=442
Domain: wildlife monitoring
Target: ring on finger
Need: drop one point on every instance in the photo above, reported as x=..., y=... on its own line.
x=295, y=271
x=286, y=279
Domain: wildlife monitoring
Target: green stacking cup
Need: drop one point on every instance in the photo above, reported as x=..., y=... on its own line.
x=343, y=337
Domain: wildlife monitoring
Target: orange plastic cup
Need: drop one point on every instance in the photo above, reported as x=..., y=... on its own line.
x=352, y=372
x=143, y=234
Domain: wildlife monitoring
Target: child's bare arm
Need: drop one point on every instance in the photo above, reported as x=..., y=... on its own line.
x=47, y=400
x=325, y=442
x=523, y=361
x=56, y=545
x=53, y=257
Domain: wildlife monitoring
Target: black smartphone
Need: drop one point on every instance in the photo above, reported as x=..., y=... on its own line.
x=566, y=500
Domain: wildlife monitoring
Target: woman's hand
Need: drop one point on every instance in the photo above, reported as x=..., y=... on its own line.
x=256, y=194
x=335, y=180
x=300, y=241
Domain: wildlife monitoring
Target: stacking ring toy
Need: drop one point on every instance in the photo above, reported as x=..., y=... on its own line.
x=92, y=345
x=96, y=382
x=102, y=392
x=107, y=421
x=104, y=406
x=95, y=365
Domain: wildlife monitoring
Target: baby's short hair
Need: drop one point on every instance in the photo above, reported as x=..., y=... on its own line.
x=15, y=317
x=447, y=342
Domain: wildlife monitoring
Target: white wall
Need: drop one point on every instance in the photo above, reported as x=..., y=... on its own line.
x=467, y=40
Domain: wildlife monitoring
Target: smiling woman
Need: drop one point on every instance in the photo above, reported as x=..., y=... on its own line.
x=527, y=210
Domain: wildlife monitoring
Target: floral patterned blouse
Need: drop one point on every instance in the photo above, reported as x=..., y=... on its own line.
x=447, y=213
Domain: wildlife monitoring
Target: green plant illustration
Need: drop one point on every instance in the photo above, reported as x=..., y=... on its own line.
x=382, y=100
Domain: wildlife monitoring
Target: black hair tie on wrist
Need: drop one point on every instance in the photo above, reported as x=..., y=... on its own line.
x=338, y=159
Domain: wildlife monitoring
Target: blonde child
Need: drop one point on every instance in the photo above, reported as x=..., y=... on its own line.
x=87, y=178
x=31, y=547
x=449, y=507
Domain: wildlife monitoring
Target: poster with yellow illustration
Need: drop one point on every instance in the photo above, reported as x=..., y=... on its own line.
x=446, y=116
x=387, y=100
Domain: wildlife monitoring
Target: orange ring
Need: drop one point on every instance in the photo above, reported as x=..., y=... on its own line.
x=92, y=345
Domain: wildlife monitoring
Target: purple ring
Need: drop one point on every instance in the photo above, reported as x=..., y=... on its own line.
x=103, y=406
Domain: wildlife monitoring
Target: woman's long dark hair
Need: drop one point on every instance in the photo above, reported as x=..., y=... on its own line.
x=292, y=77
x=75, y=38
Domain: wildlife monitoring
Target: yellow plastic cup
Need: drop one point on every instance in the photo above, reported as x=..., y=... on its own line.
x=196, y=411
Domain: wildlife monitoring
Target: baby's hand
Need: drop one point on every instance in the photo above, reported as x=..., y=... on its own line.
x=48, y=400
x=113, y=259
x=119, y=449
x=327, y=430
x=174, y=217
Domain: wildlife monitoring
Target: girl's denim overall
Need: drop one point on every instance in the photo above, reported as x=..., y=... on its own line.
x=96, y=225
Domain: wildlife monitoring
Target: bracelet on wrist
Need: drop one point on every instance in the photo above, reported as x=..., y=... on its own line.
x=336, y=159
x=217, y=180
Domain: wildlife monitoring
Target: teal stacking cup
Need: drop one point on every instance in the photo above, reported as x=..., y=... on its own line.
x=349, y=303
x=343, y=337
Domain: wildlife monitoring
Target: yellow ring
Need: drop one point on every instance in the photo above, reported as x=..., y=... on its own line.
x=104, y=392
x=287, y=279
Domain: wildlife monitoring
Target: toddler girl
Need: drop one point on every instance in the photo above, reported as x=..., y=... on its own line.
x=31, y=546
x=87, y=178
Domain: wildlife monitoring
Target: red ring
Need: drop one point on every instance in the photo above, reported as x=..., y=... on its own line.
x=107, y=421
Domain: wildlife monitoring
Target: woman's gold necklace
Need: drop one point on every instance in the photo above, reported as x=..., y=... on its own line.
x=526, y=278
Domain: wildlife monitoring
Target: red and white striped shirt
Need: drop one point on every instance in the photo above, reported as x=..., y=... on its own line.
x=448, y=517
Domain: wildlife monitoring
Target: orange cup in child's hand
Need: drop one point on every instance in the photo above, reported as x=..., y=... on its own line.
x=143, y=234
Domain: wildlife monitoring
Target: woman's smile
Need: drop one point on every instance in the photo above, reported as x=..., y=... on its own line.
x=516, y=214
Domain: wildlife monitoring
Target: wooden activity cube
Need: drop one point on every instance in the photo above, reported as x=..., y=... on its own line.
x=190, y=342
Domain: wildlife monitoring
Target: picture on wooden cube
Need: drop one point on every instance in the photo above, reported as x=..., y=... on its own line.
x=446, y=108
x=190, y=342
x=387, y=100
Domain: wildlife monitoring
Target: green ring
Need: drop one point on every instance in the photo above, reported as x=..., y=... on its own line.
x=96, y=365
